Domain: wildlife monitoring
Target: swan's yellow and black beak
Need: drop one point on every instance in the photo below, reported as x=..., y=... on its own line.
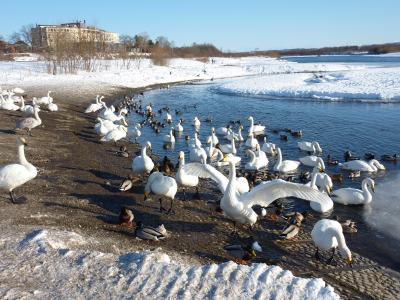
x=146, y=195
x=226, y=158
x=321, y=170
x=253, y=253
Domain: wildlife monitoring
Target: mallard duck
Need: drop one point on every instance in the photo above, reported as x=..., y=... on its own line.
x=150, y=233
x=242, y=254
x=126, y=217
x=330, y=161
x=127, y=183
x=393, y=158
x=123, y=152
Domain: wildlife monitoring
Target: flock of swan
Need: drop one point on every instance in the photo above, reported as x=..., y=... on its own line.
x=15, y=175
x=238, y=199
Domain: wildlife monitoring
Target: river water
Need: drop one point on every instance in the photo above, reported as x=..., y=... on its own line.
x=338, y=126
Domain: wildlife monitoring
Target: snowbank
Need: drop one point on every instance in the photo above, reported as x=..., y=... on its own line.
x=51, y=264
x=142, y=73
x=367, y=84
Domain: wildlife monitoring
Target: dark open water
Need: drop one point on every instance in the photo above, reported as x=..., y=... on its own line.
x=359, y=127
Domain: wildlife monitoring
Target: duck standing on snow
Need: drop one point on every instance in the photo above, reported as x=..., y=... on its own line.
x=351, y=196
x=328, y=235
x=15, y=175
x=161, y=185
x=183, y=179
x=30, y=123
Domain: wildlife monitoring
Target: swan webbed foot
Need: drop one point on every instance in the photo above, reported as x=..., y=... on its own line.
x=19, y=200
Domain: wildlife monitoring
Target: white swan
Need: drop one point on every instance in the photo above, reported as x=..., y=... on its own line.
x=223, y=130
x=15, y=175
x=309, y=146
x=7, y=105
x=207, y=171
x=256, y=162
x=52, y=106
x=350, y=196
x=30, y=123
x=134, y=133
x=95, y=106
x=325, y=187
x=198, y=154
x=239, y=207
x=251, y=142
x=182, y=178
x=179, y=127
x=18, y=90
x=104, y=126
x=143, y=163
x=27, y=110
x=285, y=166
x=213, y=137
x=169, y=138
x=168, y=118
x=212, y=152
x=196, y=122
x=269, y=148
x=226, y=158
x=115, y=135
x=161, y=185
x=255, y=129
x=328, y=235
x=228, y=148
x=361, y=165
x=312, y=161
x=195, y=141
x=46, y=100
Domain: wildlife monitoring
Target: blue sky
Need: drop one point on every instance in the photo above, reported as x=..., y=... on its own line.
x=230, y=25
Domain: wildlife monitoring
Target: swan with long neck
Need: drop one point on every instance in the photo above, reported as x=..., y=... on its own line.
x=285, y=166
x=15, y=175
x=251, y=142
x=256, y=162
x=7, y=105
x=161, y=185
x=93, y=107
x=228, y=148
x=310, y=146
x=143, y=163
x=169, y=138
x=363, y=166
x=30, y=123
x=182, y=178
x=328, y=235
x=269, y=148
x=326, y=187
x=239, y=207
x=213, y=137
x=255, y=129
x=351, y=196
x=179, y=127
x=312, y=161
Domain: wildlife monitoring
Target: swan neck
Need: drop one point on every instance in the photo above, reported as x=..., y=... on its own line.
x=252, y=157
x=279, y=159
x=344, y=250
x=144, y=149
x=366, y=192
x=21, y=156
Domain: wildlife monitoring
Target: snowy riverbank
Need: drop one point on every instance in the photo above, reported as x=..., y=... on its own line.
x=52, y=264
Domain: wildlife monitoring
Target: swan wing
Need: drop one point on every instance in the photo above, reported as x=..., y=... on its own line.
x=269, y=191
x=207, y=171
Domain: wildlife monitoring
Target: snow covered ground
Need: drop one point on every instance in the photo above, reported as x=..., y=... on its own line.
x=53, y=264
x=364, y=84
x=143, y=73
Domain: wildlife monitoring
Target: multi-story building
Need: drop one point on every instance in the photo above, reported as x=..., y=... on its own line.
x=49, y=36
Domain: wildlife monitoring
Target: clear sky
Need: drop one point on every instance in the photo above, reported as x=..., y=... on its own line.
x=229, y=24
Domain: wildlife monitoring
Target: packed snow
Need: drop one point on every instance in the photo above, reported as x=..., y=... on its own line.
x=143, y=72
x=366, y=84
x=53, y=264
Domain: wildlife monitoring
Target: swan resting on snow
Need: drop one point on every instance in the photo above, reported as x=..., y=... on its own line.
x=15, y=175
x=328, y=235
x=351, y=196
